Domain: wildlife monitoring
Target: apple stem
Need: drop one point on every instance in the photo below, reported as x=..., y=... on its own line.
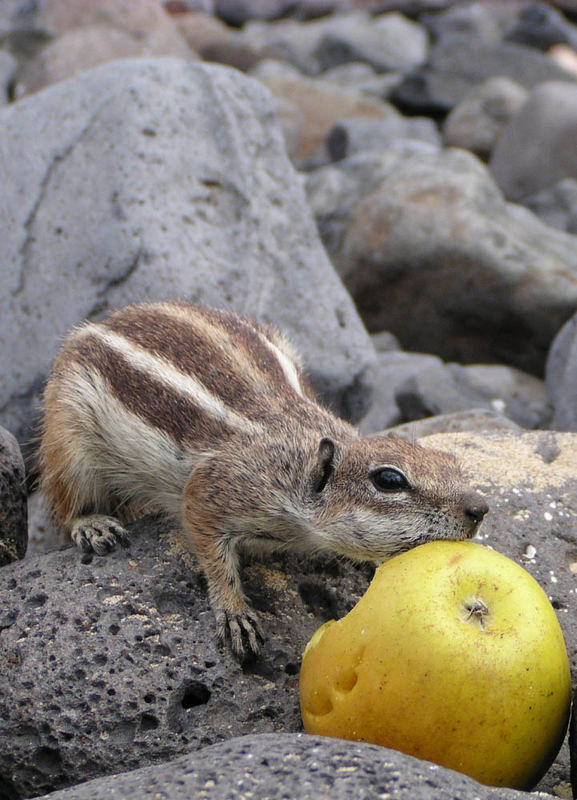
x=476, y=608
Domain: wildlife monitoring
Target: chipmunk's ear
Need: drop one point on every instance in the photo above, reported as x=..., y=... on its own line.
x=325, y=465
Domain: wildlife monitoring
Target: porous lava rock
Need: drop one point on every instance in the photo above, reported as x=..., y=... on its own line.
x=281, y=766
x=13, y=511
x=112, y=665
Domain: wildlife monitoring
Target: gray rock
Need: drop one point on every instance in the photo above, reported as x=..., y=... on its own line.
x=542, y=132
x=8, y=66
x=541, y=26
x=13, y=520
x=392, y=371
x=82, y=48
x=521, y=397
x=286, y=40
x=561, y=377
x=16, y=13
x=279, y=766
x=477, y=122
x=431, y=252
x=352, y=136
x=42, y=536
x=362, y=77
x=237, y=12
x=413, y=386
x=191, y=195
x=385, y=342
x=321, y=105
x=433, y=391
x=118, y=663
x=556, y=206
x=459, y=63
x=443, y=389
x=386, y=41
x=335, y=191
x=273, y=68
x=484, y=21
x=475, y=420
x=474, y=61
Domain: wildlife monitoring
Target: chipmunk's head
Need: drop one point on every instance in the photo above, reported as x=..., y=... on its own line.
x=377, y=496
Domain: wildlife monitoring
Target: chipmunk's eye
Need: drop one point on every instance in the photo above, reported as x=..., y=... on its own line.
x=389, y=479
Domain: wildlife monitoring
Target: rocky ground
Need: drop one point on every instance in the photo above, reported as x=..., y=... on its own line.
x=395, y=186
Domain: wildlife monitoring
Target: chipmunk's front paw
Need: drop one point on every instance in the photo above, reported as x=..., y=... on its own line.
x=98, y=533
x=243, y=631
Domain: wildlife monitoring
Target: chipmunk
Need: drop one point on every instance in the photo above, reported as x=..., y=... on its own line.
x=206, y=417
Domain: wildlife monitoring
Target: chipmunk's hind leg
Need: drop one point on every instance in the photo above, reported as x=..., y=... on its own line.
x=74, y=485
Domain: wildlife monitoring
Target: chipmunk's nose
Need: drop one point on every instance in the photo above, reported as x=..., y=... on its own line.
x=475, y=507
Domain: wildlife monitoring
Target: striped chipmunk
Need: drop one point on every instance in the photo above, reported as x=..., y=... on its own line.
x=206, y=417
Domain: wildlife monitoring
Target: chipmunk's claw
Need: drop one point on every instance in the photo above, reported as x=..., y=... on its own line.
x=98, y=534
x=244, y=633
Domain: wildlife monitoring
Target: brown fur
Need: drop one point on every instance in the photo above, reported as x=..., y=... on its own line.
x=207, y=417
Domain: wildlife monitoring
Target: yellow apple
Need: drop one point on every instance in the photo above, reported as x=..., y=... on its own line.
x=454, y=655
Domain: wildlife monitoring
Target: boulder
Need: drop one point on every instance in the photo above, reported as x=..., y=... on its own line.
x=190, y=195
x=111, y=663
x=119, y=666
x=393, y=370
x=414, y=386
x=13, y=518
x=430, y=251
x=277, y=766
x=542, y=132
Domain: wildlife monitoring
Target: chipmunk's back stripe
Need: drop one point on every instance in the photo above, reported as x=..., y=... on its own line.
x=229, y=357
x=166, y=373
x=287, y=366
x=152, y=401
x=247, y=332
x=167, y=399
